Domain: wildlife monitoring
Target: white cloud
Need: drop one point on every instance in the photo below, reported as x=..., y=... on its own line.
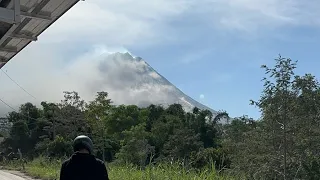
x=195, y=55
x=201, y=96
x=116, y=23
x=65, y=57
x=144, y=23
x=127, y=80
x=251, y=15
x=59, y=62
x=155, y=75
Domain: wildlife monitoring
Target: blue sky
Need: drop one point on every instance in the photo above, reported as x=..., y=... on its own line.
x=212, y=48
x=229, y=73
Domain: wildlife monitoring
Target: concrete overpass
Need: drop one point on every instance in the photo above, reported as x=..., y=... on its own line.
x=22, y=21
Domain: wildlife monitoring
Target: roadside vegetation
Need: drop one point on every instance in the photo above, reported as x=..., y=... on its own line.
x=49, y=170
x=159, y=142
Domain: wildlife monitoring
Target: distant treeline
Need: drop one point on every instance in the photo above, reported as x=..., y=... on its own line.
x=283, y=144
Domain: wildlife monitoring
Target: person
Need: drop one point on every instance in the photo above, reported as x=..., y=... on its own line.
x=83, y=165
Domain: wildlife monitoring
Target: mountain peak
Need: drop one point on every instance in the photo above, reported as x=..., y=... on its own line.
x=142, y=83
x=123, y=56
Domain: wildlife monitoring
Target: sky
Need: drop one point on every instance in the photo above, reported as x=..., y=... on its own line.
x=210, y=49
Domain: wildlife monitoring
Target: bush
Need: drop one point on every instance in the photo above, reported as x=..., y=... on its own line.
x=59, y=147
x=210, y=157
x=49, y=169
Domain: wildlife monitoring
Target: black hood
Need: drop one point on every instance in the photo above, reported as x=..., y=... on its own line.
x=83, y=158
x=82, y=142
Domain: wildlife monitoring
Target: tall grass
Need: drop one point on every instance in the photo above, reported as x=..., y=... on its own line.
x=49, y=170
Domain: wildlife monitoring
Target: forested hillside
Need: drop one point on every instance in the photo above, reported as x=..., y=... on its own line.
x=283, y=144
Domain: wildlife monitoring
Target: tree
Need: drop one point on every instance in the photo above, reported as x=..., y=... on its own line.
x=135, y=147
x=182, y=144
x=154, y=113
x=23, y=123
x=30, y=113
x=97, y=113
x=20, y=136
x=243, y=141
x=276, y=103
x=50, y=114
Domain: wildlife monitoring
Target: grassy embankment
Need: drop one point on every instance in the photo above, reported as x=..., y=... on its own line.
x=49, y=170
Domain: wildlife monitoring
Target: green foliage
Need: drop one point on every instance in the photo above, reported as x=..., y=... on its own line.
x=125, y=133
x=60, y=147
x=283, y=144
x=48, y=169
x=181, y=144
x=20, y=136
x=134, y=147
x=217, y=157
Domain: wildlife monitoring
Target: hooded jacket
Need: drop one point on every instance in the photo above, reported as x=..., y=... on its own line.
x=83, y=167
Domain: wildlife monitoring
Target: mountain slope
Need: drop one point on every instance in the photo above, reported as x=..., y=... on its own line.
x=144, y=85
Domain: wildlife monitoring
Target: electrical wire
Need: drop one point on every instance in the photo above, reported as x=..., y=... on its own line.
x=16, y=110
x=18, y=84
x=5, y=103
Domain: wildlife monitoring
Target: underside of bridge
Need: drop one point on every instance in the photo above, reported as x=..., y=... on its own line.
x=22, y=21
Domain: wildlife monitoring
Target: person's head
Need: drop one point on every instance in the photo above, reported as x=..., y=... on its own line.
x=83, y=144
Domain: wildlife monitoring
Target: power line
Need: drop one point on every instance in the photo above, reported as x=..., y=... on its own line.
x=17, y=84
x=15, y=109
x=7, y=104
x=32, y=123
